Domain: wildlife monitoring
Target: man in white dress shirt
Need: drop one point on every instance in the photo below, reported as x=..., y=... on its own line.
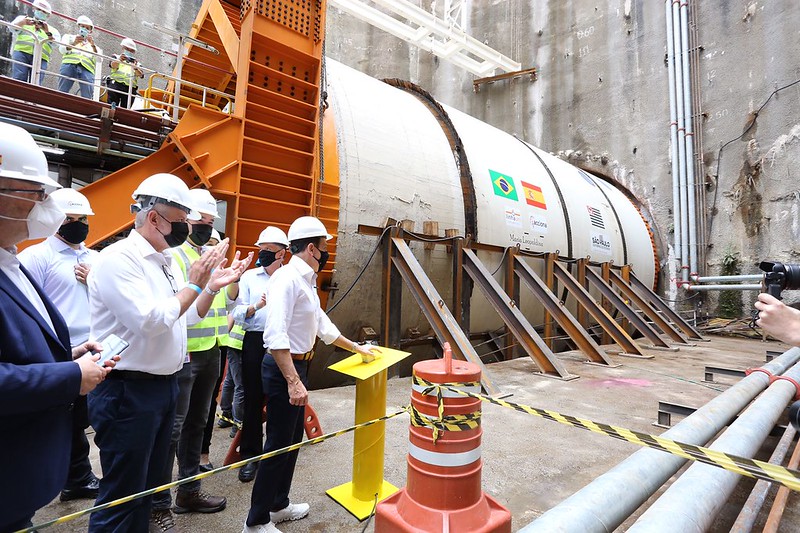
x=294, y=320
x=251, y=314
x=60, y=265
x=136, y=292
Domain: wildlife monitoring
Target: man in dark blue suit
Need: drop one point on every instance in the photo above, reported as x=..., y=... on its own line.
x=40, y=377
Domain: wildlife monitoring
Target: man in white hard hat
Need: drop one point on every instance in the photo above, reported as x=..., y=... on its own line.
x=136, y=291
x=78, y=59
x=294, y=320
x=198, y=377
x=125, y=72
x=31, y=29
x=251, y=314
x=39, y=381
x=60, y=265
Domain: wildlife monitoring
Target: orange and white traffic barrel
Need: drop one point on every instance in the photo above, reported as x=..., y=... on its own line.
x=443, y=491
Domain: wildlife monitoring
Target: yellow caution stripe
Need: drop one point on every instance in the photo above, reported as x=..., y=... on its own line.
x=740, y=465
x=233, y=466
x=463, y=422
x=231, y=421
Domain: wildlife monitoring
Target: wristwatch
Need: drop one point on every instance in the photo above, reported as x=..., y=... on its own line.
x=212, y=293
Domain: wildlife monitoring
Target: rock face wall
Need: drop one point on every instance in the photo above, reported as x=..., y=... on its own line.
x=601, y=99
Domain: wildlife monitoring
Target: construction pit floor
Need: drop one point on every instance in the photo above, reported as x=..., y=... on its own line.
x=529, y=464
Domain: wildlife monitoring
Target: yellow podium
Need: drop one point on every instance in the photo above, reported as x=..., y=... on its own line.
x=358, y=495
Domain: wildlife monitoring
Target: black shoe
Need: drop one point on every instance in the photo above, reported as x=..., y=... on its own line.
x=86, y=492
x=208, y=467
x=248, y=472
x=222, y=423
x=162, y=522
x=234, y=431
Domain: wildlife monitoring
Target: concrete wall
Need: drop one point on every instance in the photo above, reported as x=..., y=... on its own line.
x=601, y=99
x=601, y=102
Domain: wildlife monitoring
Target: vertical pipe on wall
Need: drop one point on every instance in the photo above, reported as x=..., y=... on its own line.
x=676, y=37
x=673, y=133
x=689, y=138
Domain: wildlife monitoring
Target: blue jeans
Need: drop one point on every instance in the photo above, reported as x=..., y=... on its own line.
x=23, y=72
x=79, y=72
x=196, y=382
x=133, y=421
x=232, y=400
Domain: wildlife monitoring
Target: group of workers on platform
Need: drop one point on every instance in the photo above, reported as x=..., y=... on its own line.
x=79, y=56
x=170, y=293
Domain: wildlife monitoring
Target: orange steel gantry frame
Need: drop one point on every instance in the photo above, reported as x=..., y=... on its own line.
x=263, y=159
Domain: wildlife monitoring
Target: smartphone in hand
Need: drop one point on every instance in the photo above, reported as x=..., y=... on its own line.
x=112, y=345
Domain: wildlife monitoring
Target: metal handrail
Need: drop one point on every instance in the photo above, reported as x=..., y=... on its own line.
x=151, y=74
x=148, y=94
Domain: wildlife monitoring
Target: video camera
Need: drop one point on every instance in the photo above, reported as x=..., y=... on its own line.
x=779, y=277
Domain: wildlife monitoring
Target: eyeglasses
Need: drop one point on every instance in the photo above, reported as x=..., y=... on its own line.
x=41, y=194
x=168, y=220
x=170, y=278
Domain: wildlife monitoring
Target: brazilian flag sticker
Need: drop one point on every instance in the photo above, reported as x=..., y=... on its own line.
x=503, y=185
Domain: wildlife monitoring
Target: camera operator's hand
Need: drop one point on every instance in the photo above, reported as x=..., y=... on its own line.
x=778, y=319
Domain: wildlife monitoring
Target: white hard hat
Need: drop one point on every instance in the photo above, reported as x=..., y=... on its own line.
x=43, y=5
x=85, y=21
x=166, y=187
x=215, y=235
x=305, y=227
x=272, y=235
x=22, y=159
x=203, y=202
x=129, y=44
x=71, y=202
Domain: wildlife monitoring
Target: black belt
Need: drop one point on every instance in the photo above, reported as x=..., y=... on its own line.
x=135, y=375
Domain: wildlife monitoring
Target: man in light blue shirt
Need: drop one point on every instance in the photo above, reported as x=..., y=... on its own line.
x=251, y=314
x=60, y=265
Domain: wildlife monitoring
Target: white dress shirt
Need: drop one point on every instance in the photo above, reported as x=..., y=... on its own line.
x=252, y=285
x=132, y=294
x=9, y=264
x=52, y=264
x=294, y=317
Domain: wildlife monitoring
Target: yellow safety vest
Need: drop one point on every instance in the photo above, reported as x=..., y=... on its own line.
x=25, y=41
x=213, y=329
x=125, y=73
x=235, y=337
x=75, y=56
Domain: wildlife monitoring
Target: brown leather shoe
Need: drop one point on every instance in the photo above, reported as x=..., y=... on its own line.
x=162, y=522
x=198, y=502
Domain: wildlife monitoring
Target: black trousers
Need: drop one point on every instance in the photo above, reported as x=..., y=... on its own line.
x=285, y=424
x=252, y=441
x=212, y=411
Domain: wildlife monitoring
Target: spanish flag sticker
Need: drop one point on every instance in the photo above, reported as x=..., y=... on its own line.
x=533, y=195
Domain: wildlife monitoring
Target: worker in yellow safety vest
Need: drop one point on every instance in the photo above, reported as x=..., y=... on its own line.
x=196, y=380
x=33, y=29
x=78, y=60
x=125, y=72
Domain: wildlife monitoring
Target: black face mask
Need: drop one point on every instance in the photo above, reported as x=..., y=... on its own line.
x=178, y=233
x=266, y=258
x=74, y=232
x=323, y=258
x=201, y=233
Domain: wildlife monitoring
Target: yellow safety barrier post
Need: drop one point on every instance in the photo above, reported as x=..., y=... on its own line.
x=360, y=495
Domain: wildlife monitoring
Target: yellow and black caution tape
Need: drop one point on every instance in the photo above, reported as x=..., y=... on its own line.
x=202, y=475
x=741, y=465
x=230, y=421
x=445, y=423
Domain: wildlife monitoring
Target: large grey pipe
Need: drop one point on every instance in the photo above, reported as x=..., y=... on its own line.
x=694, y=500
x=688, y=138
x=673, y=132
x=606, y=502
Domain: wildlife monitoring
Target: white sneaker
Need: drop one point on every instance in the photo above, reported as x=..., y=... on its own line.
x=261, y=528
x=293, y=511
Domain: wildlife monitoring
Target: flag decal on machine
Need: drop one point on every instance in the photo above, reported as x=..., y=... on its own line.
x=533, y=195
x=503, y=185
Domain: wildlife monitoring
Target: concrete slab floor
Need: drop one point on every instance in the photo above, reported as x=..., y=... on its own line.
x=530, y=464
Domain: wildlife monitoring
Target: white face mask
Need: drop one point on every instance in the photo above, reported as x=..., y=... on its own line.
x=43, y=220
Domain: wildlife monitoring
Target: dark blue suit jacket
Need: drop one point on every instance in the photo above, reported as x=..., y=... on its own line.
x=37, y=387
